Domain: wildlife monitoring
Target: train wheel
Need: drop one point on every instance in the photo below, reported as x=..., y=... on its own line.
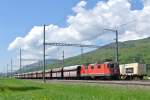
x=141, y=77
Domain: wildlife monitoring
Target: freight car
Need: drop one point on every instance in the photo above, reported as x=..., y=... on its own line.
x=72, y=72
x=132, y=71
x=48, y=74
x=107, y=70
x=57, y=73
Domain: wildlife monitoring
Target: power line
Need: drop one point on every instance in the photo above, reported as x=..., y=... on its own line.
x=21, y=60
x=117, y=48
x=124, y=24
x=30, y=59
x=74, y=45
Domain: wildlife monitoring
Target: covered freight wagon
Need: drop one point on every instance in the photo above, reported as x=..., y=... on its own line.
x=71, y=72
x=132, y=71
x=48, y=74
x=57, y=73
x=39, y=74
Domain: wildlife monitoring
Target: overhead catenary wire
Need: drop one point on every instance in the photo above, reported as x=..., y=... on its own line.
x=73, y=45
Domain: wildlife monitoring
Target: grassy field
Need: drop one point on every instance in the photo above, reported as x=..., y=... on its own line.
x=12, y=89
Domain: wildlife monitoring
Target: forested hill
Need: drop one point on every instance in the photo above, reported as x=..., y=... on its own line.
x=129, y=52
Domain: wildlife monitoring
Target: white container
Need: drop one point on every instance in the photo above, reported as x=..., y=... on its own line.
x=133, y=69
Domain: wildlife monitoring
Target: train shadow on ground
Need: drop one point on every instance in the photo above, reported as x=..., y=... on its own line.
x=19, y=88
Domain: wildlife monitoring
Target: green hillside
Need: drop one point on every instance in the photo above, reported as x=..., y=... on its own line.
x=129, y=52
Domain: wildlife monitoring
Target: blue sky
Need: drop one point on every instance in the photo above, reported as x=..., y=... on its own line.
x=17, y=17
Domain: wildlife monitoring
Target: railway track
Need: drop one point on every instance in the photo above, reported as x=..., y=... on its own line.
x=141, y=83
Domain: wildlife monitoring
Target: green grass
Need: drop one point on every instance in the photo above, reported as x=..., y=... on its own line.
x=12, y=89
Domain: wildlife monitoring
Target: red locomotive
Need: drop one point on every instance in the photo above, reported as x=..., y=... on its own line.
x=103, y=71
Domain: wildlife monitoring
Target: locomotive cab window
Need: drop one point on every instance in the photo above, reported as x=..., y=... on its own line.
x=99, y=67
x=92, y=67
x=111, y=65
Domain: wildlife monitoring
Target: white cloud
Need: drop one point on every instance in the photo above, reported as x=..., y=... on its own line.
x=146, y=2
x=128, y=35
x=87, y=25
x=80, y=7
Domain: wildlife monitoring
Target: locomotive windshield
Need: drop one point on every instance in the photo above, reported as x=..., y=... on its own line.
x=111, y=65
